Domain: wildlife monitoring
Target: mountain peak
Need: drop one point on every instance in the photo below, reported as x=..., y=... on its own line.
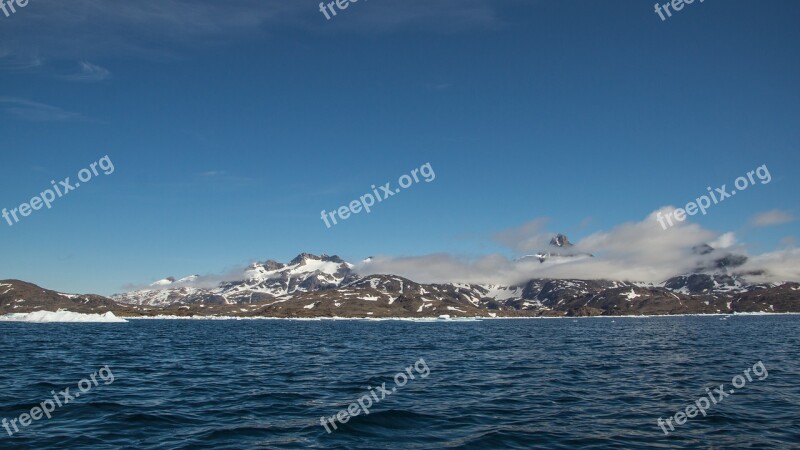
x=302, y=257
x=560, y=240
x=723, y=262
x=702, y=249
x=271, y=265
x=332, y=258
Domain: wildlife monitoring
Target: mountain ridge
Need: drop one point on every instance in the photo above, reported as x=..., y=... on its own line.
x=327, y=286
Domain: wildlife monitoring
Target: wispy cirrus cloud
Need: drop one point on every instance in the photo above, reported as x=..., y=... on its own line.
x=14, y=60
x=38, y=112
x=437, y=86
x=87, y=72
x=212, y=173
x=89, y=29
x=222, y=177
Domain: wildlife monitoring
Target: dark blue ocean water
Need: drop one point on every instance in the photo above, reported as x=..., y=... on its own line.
x=521, y=384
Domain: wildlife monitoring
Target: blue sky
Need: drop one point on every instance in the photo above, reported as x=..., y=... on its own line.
x=231, y=125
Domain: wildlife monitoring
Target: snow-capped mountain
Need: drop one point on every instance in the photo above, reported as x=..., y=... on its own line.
x=311, y=285
x=558, y=251
x=259, y=281
x=560, y=240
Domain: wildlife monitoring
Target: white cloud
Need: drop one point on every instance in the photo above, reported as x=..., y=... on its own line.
x=201, y=282
x=527, y=238
x=635, y=251
x=772, y=217
x=725, y=240
x=783, y=265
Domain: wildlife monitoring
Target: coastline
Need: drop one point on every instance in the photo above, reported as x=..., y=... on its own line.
x=458, y=319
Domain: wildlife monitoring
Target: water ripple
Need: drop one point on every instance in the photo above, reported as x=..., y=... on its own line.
x=511, y=384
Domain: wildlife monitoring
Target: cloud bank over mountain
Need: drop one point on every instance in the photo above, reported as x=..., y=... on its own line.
x=634, y=251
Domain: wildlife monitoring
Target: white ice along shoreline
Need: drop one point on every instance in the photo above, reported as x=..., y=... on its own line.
x=61, y=316
x=455, y=319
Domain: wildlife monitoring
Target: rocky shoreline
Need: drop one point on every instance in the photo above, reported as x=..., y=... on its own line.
x=381, y=297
